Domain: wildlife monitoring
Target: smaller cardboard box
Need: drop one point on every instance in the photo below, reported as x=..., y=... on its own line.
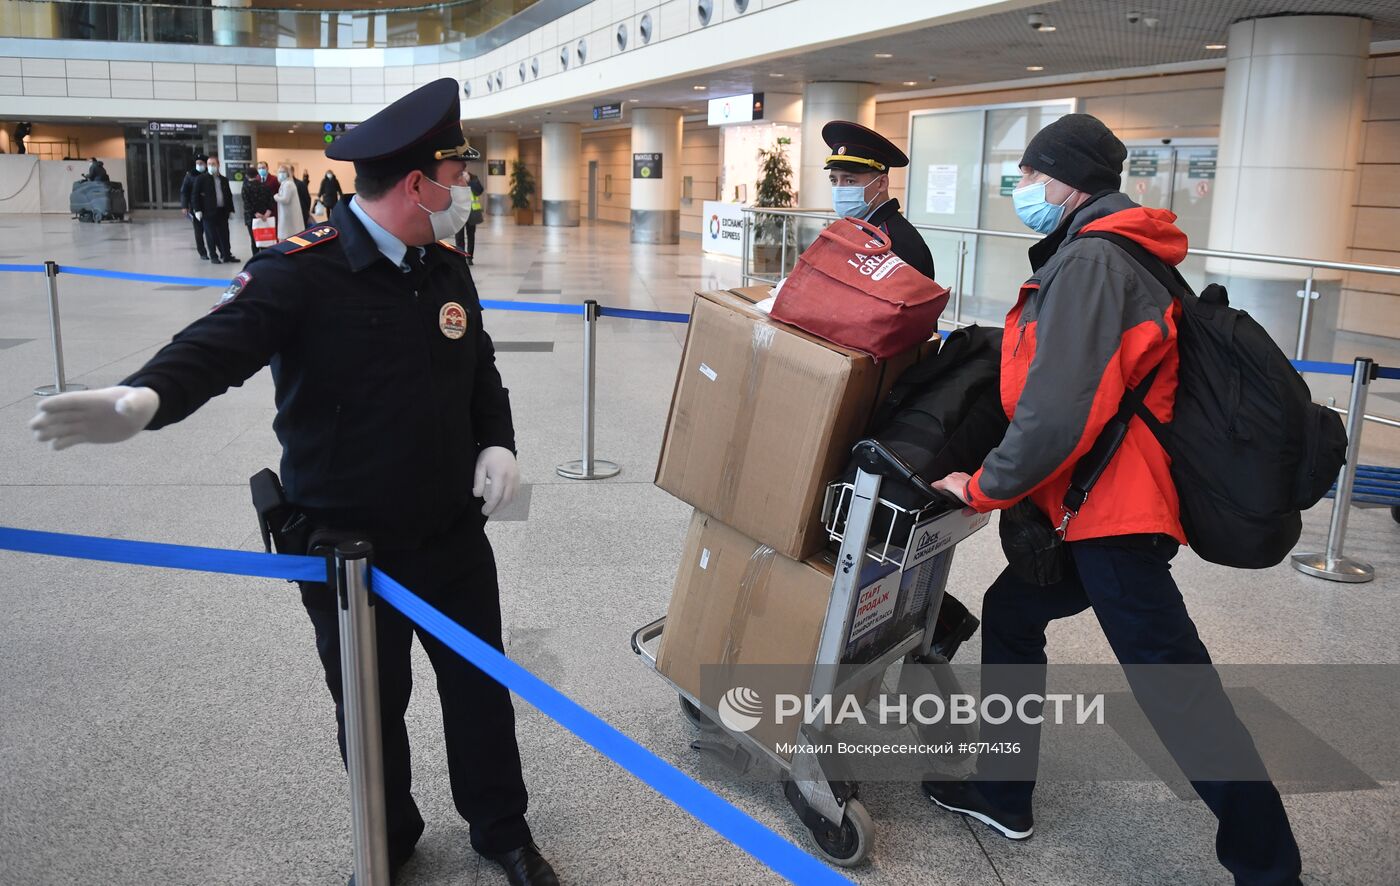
x=763, y=416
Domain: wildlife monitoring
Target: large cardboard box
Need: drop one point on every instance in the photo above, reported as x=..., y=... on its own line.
x=764, y=415
x=737, y=603
x=744, y=615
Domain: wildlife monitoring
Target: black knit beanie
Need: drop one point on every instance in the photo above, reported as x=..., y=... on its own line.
x=1080, y=151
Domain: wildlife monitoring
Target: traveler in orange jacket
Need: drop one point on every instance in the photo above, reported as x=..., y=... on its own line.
x=1091, y=323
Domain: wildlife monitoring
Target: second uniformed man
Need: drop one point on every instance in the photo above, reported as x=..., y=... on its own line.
x=394, y=426
x=860, y=164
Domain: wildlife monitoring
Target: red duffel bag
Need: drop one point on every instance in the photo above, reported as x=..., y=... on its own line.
x=851, y=289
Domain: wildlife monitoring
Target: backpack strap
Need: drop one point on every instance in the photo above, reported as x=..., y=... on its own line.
x=1167, y=275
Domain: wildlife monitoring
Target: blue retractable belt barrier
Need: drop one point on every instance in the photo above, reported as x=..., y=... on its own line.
x=655, y=316
x=150, y=553
x=729, y=822
x=1322, y=368
x=142, y=278
x=714, y=811
x=532, y=307
x=22, y=269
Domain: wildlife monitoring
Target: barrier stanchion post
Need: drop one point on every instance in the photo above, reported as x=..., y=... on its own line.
x=364, y=751
x=588, y=467
x=1331, y=564
x=958, y=280
x=782, y=251
x=60, y=385
x=745, y=262
x=1305, y=316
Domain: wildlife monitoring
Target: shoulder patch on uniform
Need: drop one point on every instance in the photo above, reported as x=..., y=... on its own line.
x=307, y=239
x=451, y=247
x=235, y=287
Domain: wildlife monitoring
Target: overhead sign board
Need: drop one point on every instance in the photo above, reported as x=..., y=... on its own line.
x=736, y=109
x=607, y=112
x=171, y=127
x=334, y=131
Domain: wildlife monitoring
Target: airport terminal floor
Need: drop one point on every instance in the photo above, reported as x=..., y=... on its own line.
x=169, y=727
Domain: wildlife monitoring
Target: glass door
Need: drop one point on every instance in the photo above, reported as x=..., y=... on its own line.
x=139, y=193
x=173, y=160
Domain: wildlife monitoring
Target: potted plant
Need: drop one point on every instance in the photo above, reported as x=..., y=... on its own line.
x=774, y=191
x=522, y=190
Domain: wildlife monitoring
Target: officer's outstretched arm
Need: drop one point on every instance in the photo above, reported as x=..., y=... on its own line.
x=107, y=415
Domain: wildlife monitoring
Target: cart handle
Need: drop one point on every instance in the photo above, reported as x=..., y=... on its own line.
x=875, y=457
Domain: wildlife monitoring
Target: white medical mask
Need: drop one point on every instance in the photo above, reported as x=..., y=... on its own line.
x=281, y=176
x=850, y=200
x=213, y=169
x=199, y=167
x=447, y=222
x=329, y=176
x=262, y=172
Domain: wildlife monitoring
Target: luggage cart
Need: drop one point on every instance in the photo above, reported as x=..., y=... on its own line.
x=903, y=538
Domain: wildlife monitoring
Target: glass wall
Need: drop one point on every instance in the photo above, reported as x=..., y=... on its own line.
x=194, y=21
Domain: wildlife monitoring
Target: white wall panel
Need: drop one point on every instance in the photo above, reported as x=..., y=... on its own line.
x=45, y=86
x=44, y=67
x=87, y=69
x=90, y=88
x=11, y=67
x=11, y=86
x=172, y=71
x=257, y=74
x=143, y=89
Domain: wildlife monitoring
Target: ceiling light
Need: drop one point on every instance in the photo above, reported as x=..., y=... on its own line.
x=289, y=131
x=777, y=75
x=699, y=88
x=633, y=100
x=1215, y=46
x=911, y=82
x=884, y=55
x=1035, y=67
x=1046, y=29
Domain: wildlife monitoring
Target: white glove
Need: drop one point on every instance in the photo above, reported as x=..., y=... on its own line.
x=107, y=415
x=199, y=216
x=497, y=478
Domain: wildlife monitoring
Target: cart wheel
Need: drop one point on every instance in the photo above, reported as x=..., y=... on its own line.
x=849, y=845
x=696, y=717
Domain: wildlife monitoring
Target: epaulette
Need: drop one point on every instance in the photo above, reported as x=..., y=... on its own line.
x=306, y=239
x=449, y=245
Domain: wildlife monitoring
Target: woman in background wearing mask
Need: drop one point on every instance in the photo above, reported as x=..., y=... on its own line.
x=859, y=164
x=330, y=193
x=289, y=218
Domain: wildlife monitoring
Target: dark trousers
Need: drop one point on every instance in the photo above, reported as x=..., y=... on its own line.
x=1128, y=584
x=216, y=233
x=456, y=573
x=466, y=239
x=252, y=242
x=199, y=235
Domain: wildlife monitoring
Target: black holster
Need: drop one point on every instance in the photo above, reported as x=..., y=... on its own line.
x=283, y=527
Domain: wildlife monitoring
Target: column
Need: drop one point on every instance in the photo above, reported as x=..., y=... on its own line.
x=559, y=180
x=233, y=22
x=1290, y=139
x=822, y=103
x=238, y=152
x=502, y=150
x=656, y=175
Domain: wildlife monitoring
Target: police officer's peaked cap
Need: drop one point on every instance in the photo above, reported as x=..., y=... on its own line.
x=857, y=149
x=421, y=127
x=199, y=158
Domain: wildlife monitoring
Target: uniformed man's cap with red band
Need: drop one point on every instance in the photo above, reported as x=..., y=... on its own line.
x=857, y=149
x=421, y=127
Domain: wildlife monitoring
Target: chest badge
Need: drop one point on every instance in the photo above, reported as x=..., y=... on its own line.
x=452, y=320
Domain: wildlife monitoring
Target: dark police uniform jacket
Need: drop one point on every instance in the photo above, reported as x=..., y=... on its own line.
x=905, y=239
x=187, y=187
x=381, y=415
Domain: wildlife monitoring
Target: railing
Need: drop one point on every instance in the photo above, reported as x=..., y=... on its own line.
x=1308, y=293
x=231, y=24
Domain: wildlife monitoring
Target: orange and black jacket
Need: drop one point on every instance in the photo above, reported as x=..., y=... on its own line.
x=1090, y=323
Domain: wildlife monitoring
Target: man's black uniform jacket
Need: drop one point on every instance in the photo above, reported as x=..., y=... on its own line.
x=386, y=393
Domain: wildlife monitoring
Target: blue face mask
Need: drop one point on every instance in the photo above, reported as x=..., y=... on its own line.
x=1033, y=209
x=849, y=200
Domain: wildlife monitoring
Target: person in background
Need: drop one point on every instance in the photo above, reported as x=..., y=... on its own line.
x=187, y=189
x=859, y=167
x=213, y=205
x=289, y=217
x=303, y=186
x=97, y=171
x=467, y=243
x=330, y=192
x=257, y=201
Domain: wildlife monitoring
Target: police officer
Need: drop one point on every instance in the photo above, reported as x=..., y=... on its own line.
x=394, y=426
x=860, y=164
x=187, y=186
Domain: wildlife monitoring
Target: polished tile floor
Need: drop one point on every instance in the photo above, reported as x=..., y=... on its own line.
x=161, y=727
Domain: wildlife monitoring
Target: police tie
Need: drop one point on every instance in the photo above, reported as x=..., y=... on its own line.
x=413, y=258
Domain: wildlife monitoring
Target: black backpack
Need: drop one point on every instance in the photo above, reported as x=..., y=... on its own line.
x=1249, y=447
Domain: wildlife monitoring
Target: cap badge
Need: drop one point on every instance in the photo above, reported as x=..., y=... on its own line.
x=841, y=150
x=452, y=320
